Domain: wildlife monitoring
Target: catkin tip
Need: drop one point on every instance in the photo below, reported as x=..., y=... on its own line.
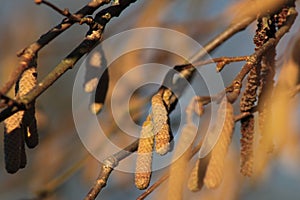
x=142, y=180
x=95, y=108
x=194, y=182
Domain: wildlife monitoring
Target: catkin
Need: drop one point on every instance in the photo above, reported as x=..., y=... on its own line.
x=161, y=128
x=144, y=156
x=247, y=140
x=30, y=128
x=249, y=96
x=247, y=124
x=265, y=92
x=195, y=183
x=215, y=168
x=180, y=162
x=167, y=97
x=21, y=126
x=162, y=140
x=27, y=82
x=23, y=159
x=100, y=94
x=12, y=143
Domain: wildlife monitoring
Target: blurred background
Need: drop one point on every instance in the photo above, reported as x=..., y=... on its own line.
x=61, y=165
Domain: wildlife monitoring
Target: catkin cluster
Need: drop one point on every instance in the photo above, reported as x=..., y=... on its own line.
x=21, y=128
x=209, y=170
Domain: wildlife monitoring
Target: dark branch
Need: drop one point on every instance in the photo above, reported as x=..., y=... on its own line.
x=28, y=53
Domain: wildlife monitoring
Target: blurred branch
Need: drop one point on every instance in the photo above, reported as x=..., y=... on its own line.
x=52, y=185
x=28, y=53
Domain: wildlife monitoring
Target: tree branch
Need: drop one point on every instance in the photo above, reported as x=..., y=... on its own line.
x=91, y=40
x=106, y=168
x=28, y=53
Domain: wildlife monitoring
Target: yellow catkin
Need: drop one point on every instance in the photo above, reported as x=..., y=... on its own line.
x=167, y=97
x=162, y=140
x=278, y=119
x=198, y=106
x=144, y=156
x=194, y=182
x=215, y=168
x=91, y=85
x=161, y=128
x=159, y=113
x=26, y=83
x=266, y=88
x=195, y=106
x=180, y=162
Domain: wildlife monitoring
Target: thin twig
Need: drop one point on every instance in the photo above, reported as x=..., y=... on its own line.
x=187, y=70
x=107, y=167
x=64, y=12
x=221, y=61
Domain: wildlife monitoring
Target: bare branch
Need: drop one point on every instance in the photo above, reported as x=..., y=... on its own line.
x=106, y=168
x=90, y=41
x=64, y=12
x=28, y=53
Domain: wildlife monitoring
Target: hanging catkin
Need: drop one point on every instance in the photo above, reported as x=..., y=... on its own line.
x=100, y=93
x=161, y=128
x=180, y=160
x=248, y=100
x=247, y=141
x=144, y=155
x=266, y=28
x=215, y=168
x=21, y=126
x=265, y=92
x=194, y=182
